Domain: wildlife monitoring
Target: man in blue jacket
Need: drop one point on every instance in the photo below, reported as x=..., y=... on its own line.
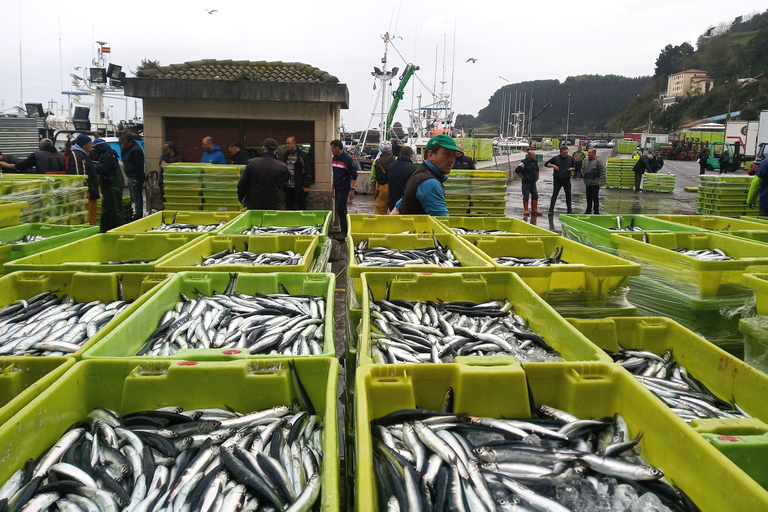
x=344, y=180
x=213, y=154
x=424, y=193
x=759, y=188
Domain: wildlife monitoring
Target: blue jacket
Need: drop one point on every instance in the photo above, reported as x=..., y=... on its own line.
x=431, y=194
x=213, y=156
x=344, y=171
x=762, y=172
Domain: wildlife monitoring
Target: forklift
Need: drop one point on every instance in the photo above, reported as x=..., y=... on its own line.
x=720, y=157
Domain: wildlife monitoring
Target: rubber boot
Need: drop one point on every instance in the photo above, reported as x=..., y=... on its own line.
x=525, y=207
x=535, y=207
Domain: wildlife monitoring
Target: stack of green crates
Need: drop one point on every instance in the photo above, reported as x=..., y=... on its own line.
x=472, y=193
x=183, y=187
x=658, y=182
x=725, y=196
x=220, y=188
x=34, y=190
x=626, y=147
x=619, y=174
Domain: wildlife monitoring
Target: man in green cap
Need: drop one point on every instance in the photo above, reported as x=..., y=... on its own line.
x=424, y=192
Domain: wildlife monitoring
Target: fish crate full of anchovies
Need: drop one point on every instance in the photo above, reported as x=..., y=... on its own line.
x=24, y=378
x=174, y=221
x=714, y=223
x=412, y=318
x=596, y=230
x=706, y=265
x=135, y=435
x=494, y=226
x=27, y=239
x=272, y=222
x=57, y=314
x=555, y=437
x=108, y=252
x=205, y=316
x=233, y=253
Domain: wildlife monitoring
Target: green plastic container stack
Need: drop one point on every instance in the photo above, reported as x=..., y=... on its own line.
x=182, y=187
x=134, y=385
x=705, y=296
x=596, y=230
x=619, y=174
x=220, y=188
x=35, y=192
x=626, y=147
x=659, y=182
x=725, y=196
x=586, y=390
x=470, y=193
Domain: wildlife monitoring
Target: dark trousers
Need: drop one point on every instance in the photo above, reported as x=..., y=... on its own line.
x=341, y=209
x=557, y=184
x=137, y=198
x=593, y=203
x=763, y=211
x=111, y=208
x=638, y=180
x=702, y=168
x=295, y=199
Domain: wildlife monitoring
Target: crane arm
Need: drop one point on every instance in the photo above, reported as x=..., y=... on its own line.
x=410, y=69
x=545, y=107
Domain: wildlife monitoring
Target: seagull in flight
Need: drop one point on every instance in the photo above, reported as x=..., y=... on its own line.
x=471, y=59
x=212, y=11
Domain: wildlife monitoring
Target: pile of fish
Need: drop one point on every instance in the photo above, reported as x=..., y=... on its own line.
x=427, y=332
x=688, y=397
x=47, y=325
x=464, y=231
x=284, y=230
x=232, y=257
x=704, y=254
x=631, y=226
x=386, y=257
x=262, y=324
x=130, y=262
x=27, y=239
x=429, y=460
x=170, y=459
x=513, y=261
x=188, y=228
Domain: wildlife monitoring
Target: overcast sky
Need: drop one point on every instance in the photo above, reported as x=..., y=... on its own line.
x=511, y=39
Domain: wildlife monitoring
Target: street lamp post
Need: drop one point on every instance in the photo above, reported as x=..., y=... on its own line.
x=567, y=119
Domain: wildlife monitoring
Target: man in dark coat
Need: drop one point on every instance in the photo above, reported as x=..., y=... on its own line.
x=563, y=165
x=239, y=155
x=263, y=180
x=400, y=171
x=297, y=187
x=133, y=165
x=463, y=161
x=83, y=166
x=108, y=169
x=45, y=160
x=642, y=166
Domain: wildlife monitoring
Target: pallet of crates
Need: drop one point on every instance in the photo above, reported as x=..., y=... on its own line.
x=658, y=182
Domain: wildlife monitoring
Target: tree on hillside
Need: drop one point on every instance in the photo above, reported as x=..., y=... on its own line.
x=671, y=58
x=148, y=64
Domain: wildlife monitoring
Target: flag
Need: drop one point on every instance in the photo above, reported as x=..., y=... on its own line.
x=105, y=49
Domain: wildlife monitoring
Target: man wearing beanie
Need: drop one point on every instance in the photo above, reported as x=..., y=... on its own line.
x=83, y=166
x=380, y=178
x=262, y=182
x=108, y=169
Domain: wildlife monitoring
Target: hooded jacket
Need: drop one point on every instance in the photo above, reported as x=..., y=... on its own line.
x=83, y=166
x=44, y=160
x=213, y=156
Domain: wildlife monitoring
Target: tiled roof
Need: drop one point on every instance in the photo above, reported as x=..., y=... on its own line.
x=260, y=71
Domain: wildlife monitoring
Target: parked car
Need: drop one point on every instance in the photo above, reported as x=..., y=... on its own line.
x=600, y=144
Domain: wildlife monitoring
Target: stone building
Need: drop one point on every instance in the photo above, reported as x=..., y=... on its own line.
x=241, y=102
x=691, y=82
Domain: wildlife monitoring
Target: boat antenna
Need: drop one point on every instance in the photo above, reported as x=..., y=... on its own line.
x=21, y=74
x=61, y=67
x=453, y=64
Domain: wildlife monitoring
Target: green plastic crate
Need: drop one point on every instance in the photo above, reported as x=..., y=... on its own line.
x=188, y=259
x=542, y=318
x=55, y=237
x=10, y=211
x=83, y=287
x=24, y=378
x=713, y=223
x=128, y=338
x=587, y=390
x=234, y=208
x=94, y=253
x=589, y=270
x=755, y=331
x=146, y=224
x=512, y=226
x=280, y=218
x=758, y=283
x=707, y=277
x=394, y=224
x=130, y=386
x=182, y=207
x=595, y=230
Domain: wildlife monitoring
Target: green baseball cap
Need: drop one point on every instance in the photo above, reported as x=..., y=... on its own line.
x=443, y=140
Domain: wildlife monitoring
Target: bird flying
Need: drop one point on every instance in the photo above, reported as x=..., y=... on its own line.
x=471, y=59
x=211, y=11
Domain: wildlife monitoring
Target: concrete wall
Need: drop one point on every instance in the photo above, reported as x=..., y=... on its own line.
x=324, y=115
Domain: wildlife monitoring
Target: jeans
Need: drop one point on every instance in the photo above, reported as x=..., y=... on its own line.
x=341, y=209
x=136, y=198
x=565, y=184
x=593, y=203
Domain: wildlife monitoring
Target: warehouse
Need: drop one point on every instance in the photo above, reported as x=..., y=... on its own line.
x=243, y=102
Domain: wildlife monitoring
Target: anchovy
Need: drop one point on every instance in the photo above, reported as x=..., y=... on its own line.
x=630, y=227
x=465, y=231
x=705, y=254
x=427, y=332
x=250, y=258
x=27, y=239
x=482, y=464
x=385, y=257
x=279, y=323
x=284, y=230
x=513, y=261
x=672, y=384
x=130, y=262
x=231, y=468
x=187, y=228
x=49, y=325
